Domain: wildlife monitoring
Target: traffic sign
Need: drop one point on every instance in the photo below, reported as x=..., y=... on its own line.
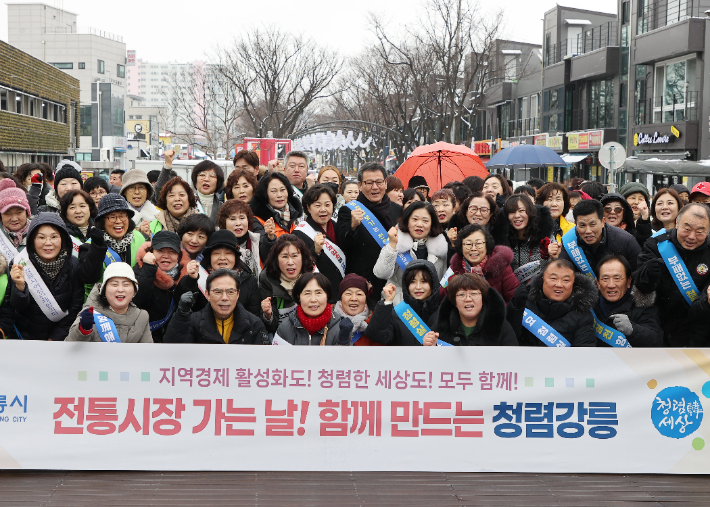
x=612, y=156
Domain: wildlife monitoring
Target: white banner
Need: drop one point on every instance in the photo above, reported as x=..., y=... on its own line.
x=93, y=406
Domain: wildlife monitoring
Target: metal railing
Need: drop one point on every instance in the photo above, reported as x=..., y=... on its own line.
x=590, y=40
x=667, y=108
x=524, y=127
x=84, y=30
x=654, y=15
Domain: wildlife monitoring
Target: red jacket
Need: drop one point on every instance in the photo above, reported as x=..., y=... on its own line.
x=497, y=272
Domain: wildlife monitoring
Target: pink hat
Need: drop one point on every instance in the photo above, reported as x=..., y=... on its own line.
x=12, y=197
x=703, y=187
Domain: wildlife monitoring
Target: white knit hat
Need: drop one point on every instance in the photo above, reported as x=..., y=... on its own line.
x=119, y=270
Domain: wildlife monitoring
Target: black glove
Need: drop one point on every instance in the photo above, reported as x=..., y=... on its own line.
x=500, y=201
x=346, y=327
x=521, y=296
x=86, y=319
x=654, y=268
x=97, y=237
x=186, y=302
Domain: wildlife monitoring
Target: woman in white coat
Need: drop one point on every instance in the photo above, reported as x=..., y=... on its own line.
x=417, y=235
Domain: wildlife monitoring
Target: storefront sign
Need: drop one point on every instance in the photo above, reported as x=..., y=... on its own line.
x=98, y=406
x=541, y=140
x=555, y=142
x=592, y=140
x=657, y=138
x=482, y=148
x=572, y=142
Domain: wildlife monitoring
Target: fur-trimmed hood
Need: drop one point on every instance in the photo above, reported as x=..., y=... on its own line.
x=642, y=300
x=584, y=292
x=163, y=281
x=498, y=260
x=436, y=245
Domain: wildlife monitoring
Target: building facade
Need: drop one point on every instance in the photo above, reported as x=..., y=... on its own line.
x=39, y=110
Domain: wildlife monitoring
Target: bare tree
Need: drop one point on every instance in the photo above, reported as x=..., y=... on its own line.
x=278, y=76
x=203, y=109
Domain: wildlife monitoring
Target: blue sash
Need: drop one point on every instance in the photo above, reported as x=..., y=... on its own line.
x=662, y=231
x=378, y=232
x=111, y=255
x=160, y=323
x=106, y=328
x=609, y=335
x=543, y=331
x=416, y=325
x=569, y=240
x=357, y=336
x=678, y=271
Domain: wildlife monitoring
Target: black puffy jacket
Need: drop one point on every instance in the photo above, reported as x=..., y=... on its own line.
x=614, y=241
x=571, y=318
x=388, y=329
x=491, y=329
x=676, y=318
x=643, y=316
x=201, y=327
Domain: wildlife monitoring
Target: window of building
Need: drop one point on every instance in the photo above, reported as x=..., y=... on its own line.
x=674, y=90
x=100, y=66
x=120, y=70
x=32, y=106
x=18, y=103
x=64, y=65
x=510, y=67
x=85, y=122
x=56, y=112
x=82, y=65
x=600, y=102
x=625, y=12
x=3, y=100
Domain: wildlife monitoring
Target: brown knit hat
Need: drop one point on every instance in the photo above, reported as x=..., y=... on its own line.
x=353, y=280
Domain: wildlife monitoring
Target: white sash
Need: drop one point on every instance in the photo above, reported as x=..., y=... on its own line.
x=39, y=290
x=7, y=249
x=280, y=341
x=202, y=280
x=75, y=246
x=334, y=253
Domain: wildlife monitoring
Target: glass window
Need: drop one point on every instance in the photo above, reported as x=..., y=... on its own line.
x=545, y=101
x=3, y=100
x=553, y=100
x=625, y=12
x=56, y=113
x=18, y=103
x=32, y=106
x=120, y=70
x=510, y=67
x=100, y=66
x=45, y=110
x=82, y=65
x=85, y=123
x=63, y=66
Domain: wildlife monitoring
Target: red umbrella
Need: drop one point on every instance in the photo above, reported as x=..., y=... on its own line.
x=441, y=163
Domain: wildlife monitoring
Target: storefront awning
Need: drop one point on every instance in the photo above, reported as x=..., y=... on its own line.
x=571, y=158
x=677, y=166
x=670, y=155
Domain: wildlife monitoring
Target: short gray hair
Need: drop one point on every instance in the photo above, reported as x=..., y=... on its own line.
x=371, y=166
x=696, y=206
x=297, y=154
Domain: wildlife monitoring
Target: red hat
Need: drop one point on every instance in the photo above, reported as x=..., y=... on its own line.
x=703, y=188
x=12, y=197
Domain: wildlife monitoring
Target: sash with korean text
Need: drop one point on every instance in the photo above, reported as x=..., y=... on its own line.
x=415, y=323
x=609, y=335
x=575, y=252
x=157, y=324
x=378, y=232
x=39, y=290
x=7, y=249
x=678, y=270
x=75, y=243
x=543, y=331
x=527, y=271
x=202, y=280
x=333, y=251
x=106, y=328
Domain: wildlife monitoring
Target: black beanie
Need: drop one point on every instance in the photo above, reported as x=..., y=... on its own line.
x=67, y=171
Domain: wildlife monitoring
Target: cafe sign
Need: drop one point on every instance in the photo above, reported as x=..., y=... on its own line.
x=656, y=138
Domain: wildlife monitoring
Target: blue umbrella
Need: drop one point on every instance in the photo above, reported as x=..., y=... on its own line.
x=526, y=155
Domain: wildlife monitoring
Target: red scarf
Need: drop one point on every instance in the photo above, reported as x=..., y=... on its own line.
x=315, y=324
x=329, y=231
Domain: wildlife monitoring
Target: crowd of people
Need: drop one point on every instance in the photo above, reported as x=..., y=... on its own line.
x=275, y=256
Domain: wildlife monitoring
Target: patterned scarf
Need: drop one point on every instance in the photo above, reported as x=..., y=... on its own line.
x=359, y=320
x=51, y=269
x=314, y=324
x=283, y=216
x=119, y=246
x=420, y=248
x=475, y=269
x=17, y=237
x=170, y=222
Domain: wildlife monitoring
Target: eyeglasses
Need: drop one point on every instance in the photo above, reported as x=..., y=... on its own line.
x=609, y=209
x=207, y=175
x=476, y=209
x=97, y=193
x=470, y=244
x=372, y=183
x=116, y=217
x=607, y=279
x=219, y=292
x=466, y=295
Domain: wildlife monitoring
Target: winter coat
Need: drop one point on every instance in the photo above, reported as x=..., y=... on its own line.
x=67, y=289
x=571, y=318
x=614, y=241
x=133, y=326
x=676, y=318
x=7, y=312
x=496, y=271
x=387, y=328
x=640, y=229
x=201, y=327
x=147, y=212
x=93, y=257
x=360, y=248
x=281, y=300
x=262, y=213
x=157, y=291
x=491, y=329
x=387, y=267
x=324, y=264
x=216, y=205
x=643, y=316
x=51, y=202
x=533, y=248
x=74, y=231
x=294, y=333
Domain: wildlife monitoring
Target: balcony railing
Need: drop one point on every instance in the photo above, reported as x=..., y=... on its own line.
x=662, y=13
x=84, y=30
x=590, y=40
x=667, y=108
x=524, y=127
x=598, y=117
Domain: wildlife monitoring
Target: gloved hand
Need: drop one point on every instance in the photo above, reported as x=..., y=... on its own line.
x=654, y=268
x=520, y=297
x=97, y=237
x=86, y=319
x=37, y=179
x=346, y=328
x=500, y=201
x=623, y=324
x=186, y=302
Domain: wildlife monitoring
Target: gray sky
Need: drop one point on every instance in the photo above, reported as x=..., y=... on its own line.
x=182, y=31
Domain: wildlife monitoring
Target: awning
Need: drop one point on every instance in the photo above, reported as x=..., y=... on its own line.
x=679, y=167
x=578, y=22
x=571, y=158
x=669, y=155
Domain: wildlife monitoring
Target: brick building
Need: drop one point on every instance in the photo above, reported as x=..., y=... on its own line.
x=39, y=110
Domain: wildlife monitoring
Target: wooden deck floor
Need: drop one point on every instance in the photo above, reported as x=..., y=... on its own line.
x=340, y=489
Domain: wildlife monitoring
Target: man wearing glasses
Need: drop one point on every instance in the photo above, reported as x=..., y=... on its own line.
x=360, y=247
x=223, y=320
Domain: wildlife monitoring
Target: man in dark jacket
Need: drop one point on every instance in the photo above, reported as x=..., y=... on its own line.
x=360, y=248
x=690, y=238
x=223, y=320
x=627, y=310
x=597, y=239
x=473, y=313
x=560, y=297
x=618, y=213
